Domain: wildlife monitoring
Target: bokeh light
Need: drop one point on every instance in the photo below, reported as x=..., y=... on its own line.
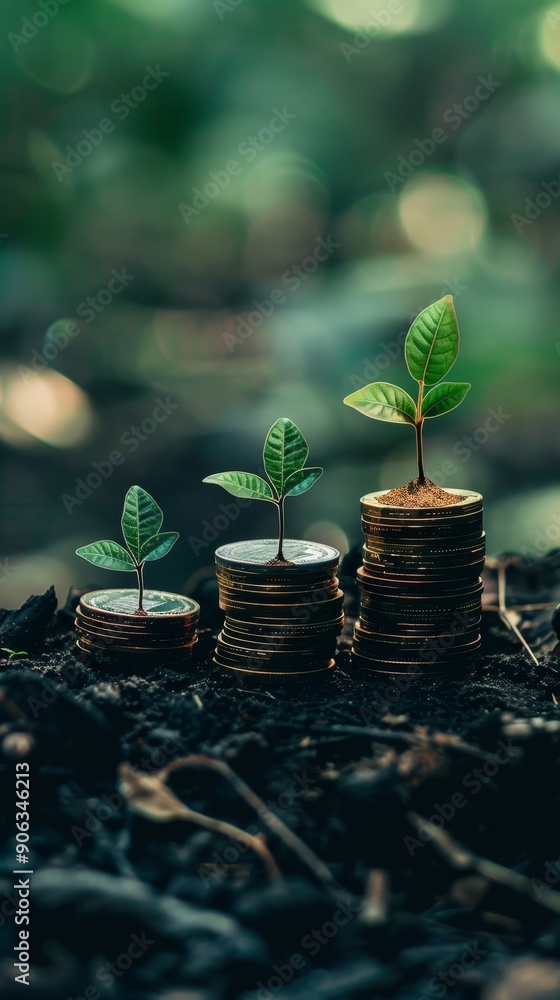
x=549, y=34
x=384, y=18
x=442, y=215
x=42, y=406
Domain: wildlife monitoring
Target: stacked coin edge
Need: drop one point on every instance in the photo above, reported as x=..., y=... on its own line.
x=420, y=585
x=282, y=621
x=166, y=637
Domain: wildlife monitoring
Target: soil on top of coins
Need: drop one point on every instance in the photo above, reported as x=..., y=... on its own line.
x=205, y=836
x=417, y=494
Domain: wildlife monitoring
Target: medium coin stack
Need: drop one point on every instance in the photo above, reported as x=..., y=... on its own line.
x=421, y=588
x=107, y=622
x=282, y=619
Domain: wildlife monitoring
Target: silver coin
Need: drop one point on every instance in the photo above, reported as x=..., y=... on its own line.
x=124, y=604
x=260, y=553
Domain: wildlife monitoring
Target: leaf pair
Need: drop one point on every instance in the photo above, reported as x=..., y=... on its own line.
x=284, y=455
x=431, y=349
x=141, y=522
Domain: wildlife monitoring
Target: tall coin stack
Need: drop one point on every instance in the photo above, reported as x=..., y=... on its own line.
x=107, y=622
x=421, y=600
x=282, y=619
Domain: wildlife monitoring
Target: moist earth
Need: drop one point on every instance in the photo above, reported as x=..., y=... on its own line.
x=344, y=891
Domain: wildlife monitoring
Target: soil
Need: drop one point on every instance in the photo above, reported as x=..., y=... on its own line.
x=417, y=494
x=336, y=890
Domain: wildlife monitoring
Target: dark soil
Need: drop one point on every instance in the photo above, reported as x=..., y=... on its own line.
x=417, y=494
x=133, y=899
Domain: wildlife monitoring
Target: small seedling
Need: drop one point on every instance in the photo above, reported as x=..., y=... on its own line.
x=11, y=653
x=141, y=522
x=284, y=455
x=431, y=349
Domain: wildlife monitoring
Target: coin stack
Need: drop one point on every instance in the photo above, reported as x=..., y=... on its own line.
x=107, y=622
x=282, y=618
x=421, y=587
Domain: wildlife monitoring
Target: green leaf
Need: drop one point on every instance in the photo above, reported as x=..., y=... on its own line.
x=285, y=452
x=108, y=555
x=384, y=401
x=242, y=484
x=141, y=519
x=432, y=343
x=301, y=481
x=158, y=546
x=443, y=398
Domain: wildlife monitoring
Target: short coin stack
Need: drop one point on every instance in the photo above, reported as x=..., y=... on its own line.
x=421, y=586
x=107, y=622
x=282, y=619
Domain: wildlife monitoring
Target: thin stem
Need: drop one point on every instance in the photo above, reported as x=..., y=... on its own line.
x=504, y=613
x=269, y=818
x=462, y=858
x=419, y=443
x=281, y=525
x=140, y=575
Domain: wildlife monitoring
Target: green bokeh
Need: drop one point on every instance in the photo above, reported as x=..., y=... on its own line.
x=420, y=143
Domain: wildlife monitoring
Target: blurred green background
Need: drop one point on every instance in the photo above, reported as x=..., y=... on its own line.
x=281, y=187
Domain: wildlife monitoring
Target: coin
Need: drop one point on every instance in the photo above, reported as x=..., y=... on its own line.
x=122, y=605
x=141, y=657
x=469, y=502
x=256, y=555
x=278, y=616
x=107, y=621
x=159, y=630
x=420, y=583
x=280, y=676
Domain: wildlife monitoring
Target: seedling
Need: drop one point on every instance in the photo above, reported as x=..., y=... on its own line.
x=431, y=349
x=141, y=522
x=285, y=454
x=12, y=654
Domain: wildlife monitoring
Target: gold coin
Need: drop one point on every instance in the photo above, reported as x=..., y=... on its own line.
x=288, y=675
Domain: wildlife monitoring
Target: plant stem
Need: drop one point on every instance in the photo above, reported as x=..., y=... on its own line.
x=280, y=553
x=419, y=443
x=140, y=575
